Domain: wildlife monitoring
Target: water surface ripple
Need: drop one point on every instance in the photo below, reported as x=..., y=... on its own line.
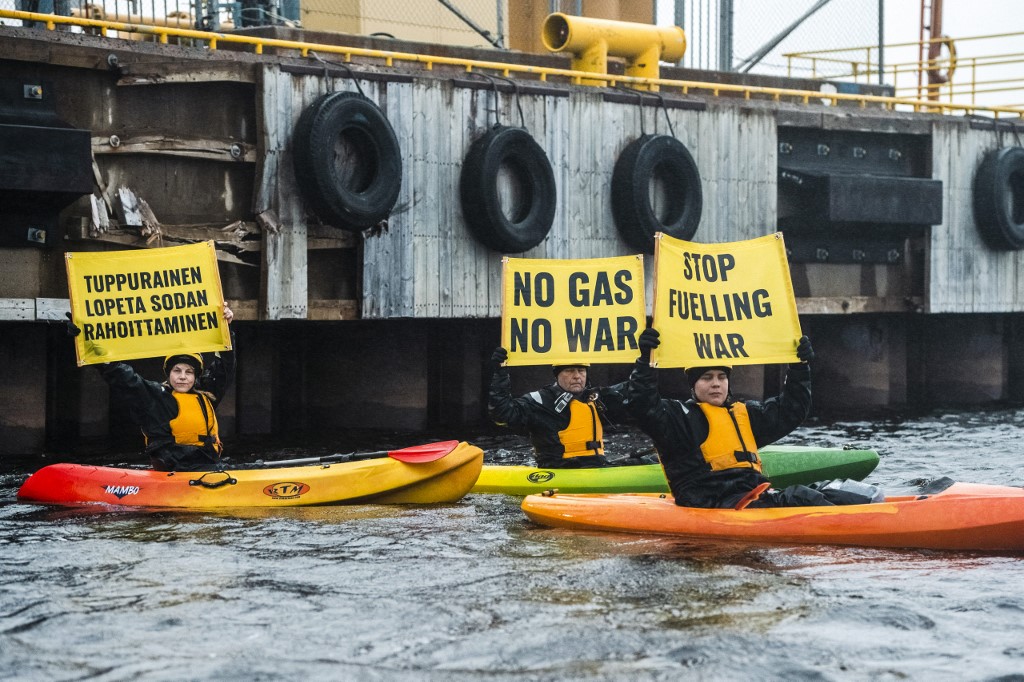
x=473, y=590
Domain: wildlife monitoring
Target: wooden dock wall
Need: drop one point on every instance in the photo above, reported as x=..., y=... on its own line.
x=449, y=274
x=205, y=140
x=964, y=274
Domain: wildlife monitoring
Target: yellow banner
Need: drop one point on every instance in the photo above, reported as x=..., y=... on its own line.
x=726, y=303
x=562, y=311
x=146, y=303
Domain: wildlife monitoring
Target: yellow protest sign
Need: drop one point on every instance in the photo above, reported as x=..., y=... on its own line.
x=728, y=303
x=562, y=311
x=146, y=303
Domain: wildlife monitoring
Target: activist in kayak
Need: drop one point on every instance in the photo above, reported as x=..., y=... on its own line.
x=708, y=444
x=565, y=420
x=178, y=416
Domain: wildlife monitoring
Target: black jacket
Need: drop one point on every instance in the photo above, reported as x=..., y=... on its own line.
x=539, y=413
x=151, y=405
x=678, y=428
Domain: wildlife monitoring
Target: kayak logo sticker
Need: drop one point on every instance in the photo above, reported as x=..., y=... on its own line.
x=286, y=490
x=540, y=476
x=121, y=491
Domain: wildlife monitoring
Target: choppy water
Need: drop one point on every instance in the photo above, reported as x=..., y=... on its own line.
x=473, y=590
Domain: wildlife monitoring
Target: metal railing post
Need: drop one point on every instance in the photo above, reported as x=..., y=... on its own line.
x=500, y=10
x=725, y=26
x=881, y=42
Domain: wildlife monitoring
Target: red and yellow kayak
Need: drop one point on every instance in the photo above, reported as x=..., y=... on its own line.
x=965, y=516
x=424, y=474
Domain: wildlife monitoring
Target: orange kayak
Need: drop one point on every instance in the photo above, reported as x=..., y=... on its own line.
x=423, y=474
x=966, y=516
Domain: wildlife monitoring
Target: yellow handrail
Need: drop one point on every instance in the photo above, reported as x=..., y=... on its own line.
x=213, y=39
x=967, y=87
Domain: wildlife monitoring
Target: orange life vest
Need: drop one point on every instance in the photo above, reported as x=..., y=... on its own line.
x=730, y=442
x=196, y=423
x=582, y=437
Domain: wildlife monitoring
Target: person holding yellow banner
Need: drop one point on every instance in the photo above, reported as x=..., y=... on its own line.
x=564, y=419
x=177, y=416
x=708, y=444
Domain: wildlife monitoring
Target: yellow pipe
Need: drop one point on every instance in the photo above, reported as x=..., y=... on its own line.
x=591, y=41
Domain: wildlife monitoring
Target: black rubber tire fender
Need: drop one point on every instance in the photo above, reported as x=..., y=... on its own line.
x=515, y=151
x=999, y=198
x=639, y=163
x=347, y=161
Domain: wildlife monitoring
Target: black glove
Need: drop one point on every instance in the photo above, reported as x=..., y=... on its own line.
x=648, y=341
x=804, y=350
x=499, y=356
x=71, y=328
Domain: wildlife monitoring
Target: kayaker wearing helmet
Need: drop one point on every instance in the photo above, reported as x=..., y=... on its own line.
x=564, y=419
x=177, y=419
x=708, y=444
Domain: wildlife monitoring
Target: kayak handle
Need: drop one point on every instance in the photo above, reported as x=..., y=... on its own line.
x=228, y=478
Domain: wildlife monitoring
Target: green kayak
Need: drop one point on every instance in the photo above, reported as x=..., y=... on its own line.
x=784, y=464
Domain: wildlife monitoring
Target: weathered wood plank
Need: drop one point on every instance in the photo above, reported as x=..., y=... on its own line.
x=283, y=280
x=388, y=278
x=474, y=257
x=193, y=147
x=477, y=259
x=449, y=255
x=424, y=181
x=238, y=235
x=343, y=309
x=100, y=221
x=965, y=275
x=541, y=117
x=134, y=240
x=248, y=310
x=149, y=73
x=848, y=305
x=471, y=113
x=131, y=211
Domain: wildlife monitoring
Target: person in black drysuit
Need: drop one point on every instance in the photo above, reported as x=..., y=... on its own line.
x=177, y=416
x=708, y=444
x=566, y=420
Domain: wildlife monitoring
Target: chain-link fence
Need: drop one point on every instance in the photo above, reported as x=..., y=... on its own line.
x=753, y=35
x=447, y=22
x=722, y=34
x=209, y=15
x=450, y=22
